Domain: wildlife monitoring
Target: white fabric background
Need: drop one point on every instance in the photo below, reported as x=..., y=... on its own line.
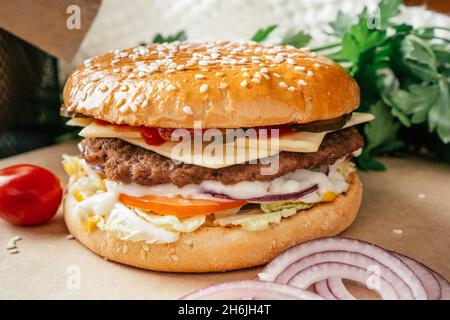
x=123, y=23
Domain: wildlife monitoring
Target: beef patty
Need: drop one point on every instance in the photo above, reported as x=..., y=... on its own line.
x=122, y=161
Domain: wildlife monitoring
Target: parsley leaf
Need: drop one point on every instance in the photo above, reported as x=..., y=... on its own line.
x=439, y=116
x=297, y=39
x=341, y=24
x=382, y=132
x=419, y=58
x=180, y=36
x=387, y=10
x=263, y=33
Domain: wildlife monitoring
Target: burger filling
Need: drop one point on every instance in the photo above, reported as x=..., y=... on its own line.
x=140, y=195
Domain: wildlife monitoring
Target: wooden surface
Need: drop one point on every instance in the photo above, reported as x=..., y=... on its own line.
x=412, y=196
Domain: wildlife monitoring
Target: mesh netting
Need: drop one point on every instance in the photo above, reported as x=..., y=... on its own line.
x=29, y=97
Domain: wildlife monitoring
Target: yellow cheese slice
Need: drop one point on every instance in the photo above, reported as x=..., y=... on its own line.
x=79, y=122
x=209, y=155
x=95, y=130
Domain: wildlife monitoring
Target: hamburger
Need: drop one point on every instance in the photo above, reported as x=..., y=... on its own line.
x=210, y=156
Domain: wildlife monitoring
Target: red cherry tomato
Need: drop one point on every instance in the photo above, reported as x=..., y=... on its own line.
x=29, y=194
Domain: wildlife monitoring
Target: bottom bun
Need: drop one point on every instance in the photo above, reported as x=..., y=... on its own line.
x=210, y=249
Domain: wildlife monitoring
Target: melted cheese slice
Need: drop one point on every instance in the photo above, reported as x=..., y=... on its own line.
x=209, y=155
x=218, y=155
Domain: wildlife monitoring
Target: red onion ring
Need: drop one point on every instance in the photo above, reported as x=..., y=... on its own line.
x=292, y=255
x=339, y=290
x=325, y=270
x=355, y=259
x=324, y=290
x=251, y=289
x=430, y=282
x=445, y=286
x=268, y=198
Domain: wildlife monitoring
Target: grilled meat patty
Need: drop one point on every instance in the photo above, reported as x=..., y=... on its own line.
x=122, y=161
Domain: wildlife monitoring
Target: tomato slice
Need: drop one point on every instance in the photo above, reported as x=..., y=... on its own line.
x=179, y=206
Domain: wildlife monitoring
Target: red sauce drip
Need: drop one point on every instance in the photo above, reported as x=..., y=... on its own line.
x=152, y=136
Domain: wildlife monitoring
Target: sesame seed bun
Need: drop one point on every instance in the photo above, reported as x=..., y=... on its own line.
x=210, y=249
x=222, y=84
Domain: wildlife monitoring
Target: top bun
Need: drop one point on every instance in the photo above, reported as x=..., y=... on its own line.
x=223, y=84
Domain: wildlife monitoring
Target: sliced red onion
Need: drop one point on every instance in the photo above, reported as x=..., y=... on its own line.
x=324, y=290
x=429, y=281
x=339, y=290
x=445, y=286
x=268, y=198
x=325, y=270
x=388, y=260
x=251, y=289
x=372, y=267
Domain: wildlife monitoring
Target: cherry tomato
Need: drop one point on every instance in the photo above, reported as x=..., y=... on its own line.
x=29, y=194
x=179, y=206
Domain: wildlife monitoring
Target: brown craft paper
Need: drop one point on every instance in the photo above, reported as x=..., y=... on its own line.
x=43, y=23
x=412, y=196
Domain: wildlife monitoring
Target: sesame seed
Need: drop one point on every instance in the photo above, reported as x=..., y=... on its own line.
x=203, y=88
x=124, y=88
x=244, y=84
x=309, y=73
x=219, y=74
x=302, y=82
x=141, y=74
x=397, y=231
x=223, y=85
x=70, y=237
x=123, y=108
x=132, y=75
x=13, y=251
x=187, y=110
x=299, y=68
x=290, y=61
x=181, y=67
x=171, y=87
x=266, y=76
x=203, y=63
x=244, y=69
x=144, y=103
x=276, y=75
x=199, y=76
x=316, y=65
x=246, y=74
x=256, y=80
x=134, y=107
x=283, y=84
x=291, y=89
x=169, y=71
x=264, y=70
x=242, y=61
x=421, y=196
x=278, y=59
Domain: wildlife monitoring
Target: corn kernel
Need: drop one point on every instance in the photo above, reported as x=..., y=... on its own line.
x=68, y=168
x=328, y=196
x=78, y=195
x=91, y=223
